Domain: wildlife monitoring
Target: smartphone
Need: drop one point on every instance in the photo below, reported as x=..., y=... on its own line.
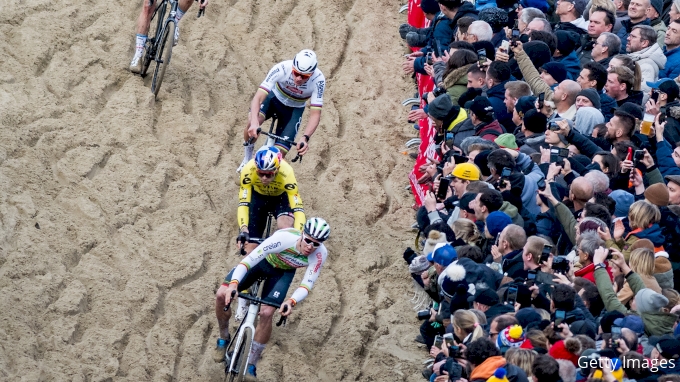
x=515, y=33
x=541, y=184
x=498, y=238
x=531, y=279
x=448, y=339
x=607, y=338
x=616, y=335
x=458, y=159
x=506, y=172
x=541, y=102
x=559, y=317
x=638, y=155
x=545, y=255
x=512, y=296
x=505, y=46
x=655, y=95
x=443, y=188
x=438, y=340
x=629, y=156
x=481, y=55
x=435, y=48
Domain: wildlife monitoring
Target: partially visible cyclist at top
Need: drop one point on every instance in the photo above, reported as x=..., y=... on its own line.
x=274, y=261
x=268, y=185
x=284, y=93
x=142, y=29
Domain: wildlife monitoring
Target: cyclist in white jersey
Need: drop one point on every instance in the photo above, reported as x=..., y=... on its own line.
x=275, y=261
x=284, y=93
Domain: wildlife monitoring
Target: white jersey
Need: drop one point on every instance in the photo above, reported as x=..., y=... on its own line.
x=279, y=250
x=280, y=81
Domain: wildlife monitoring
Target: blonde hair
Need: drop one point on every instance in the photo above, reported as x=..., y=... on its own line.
x=538, y=339
x=642, y=261
x=606, y=4
x=673, y=298
x=466, y=230
x=522, y=358
x=544, y=314
x=468, y=323
x=481, y=317
x=642, y=214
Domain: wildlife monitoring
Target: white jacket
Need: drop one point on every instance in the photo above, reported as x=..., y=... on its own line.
x=650, y=59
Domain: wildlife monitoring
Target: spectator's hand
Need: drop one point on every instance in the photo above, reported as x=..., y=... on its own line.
x=567, y=167
x=409, y=65
x=626, y=165
x=430, y=202
x=623, y=348
x=595, y=132
x=435, y=58
x=497, y=255
x=600, y=255
x=502, y=56
x=416, y=54
x=647, y=160
x=636, y=181
x=518, y=306
x=504, y=185
x=508, y=33
x=415, y=115
x=513, y=153
x=446, y=55
x=545, y=155
x=652, y=107
x=607, y=375
x=564, y=127
x=659, y=128
x=554, y=170
x=434, y=351
x=426, y=277
x=433, y=315
x=429, y=70
x=449, y=166
x=444, y=377
x=604, y=233
x=431, y=170
x=517, y=48
x=564, y=330
x=620, y=261
x=561, y=279
x=485, y=65
x=534, y=291
x=548, y=194
x=619, y=229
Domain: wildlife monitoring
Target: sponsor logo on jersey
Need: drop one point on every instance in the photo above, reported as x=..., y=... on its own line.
x=272, y=246
x=246, y=180
x=290, y=186
x=293, y=89
x=245, y=194
x=319, y=260
x=276, y=294
x=272, y=74
x=320, y=86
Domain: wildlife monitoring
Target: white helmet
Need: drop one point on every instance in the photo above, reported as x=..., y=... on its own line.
x=305, y=61
x=318, y=229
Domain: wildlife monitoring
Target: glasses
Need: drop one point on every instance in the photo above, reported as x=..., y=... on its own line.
x=266, y=175
x=311, y=242
x=303, y=76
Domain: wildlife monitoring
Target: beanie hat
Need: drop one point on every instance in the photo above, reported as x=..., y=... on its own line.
x=542, y=5
x=592, y=95
x=496, y=222
x=633, y=110
x=568, y=349
x=435, y=237
x=657, y=194
x=535, y=121
x=525, y=316
x=583, y=327
x=658, y=6
x=440, y=107
x=538, y=52
x=429, y=6
x=510, y=337
x=482, y=162
x=524, y=104
x=566, y=42
x=500, y=375
x=607, y=321
x=419, y=264
x=481, y=106
x=495, y=17
x=580, y=6
x=643, y=243
x=648, y=301
x=443, y=254
x=556, y=69
x=454, y=276
x=623, y=201
x=506, y=141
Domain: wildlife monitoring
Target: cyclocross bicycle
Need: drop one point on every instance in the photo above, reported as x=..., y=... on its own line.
x=271, y=139
x=159, y=47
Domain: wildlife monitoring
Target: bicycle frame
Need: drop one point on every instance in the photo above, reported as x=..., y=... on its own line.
x=272, y=138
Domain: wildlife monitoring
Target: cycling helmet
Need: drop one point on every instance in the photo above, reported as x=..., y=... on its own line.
x=268, y=158
x=318, y=229
x=305, y=61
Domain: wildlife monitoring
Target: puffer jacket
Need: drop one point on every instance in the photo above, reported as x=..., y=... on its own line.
x=651, y=60
x=456, y=83
x=663, y=270
x=461, y=131
x=660, y=29
x=672, y=69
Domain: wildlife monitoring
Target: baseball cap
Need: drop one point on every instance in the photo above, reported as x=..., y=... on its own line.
x=667, y=345
x=443, y=254
x=633, y=323
x=466, y=171
x=487, y=297
x=667, y=86
x=524, y=104
x=673, y=178
x=482, y=107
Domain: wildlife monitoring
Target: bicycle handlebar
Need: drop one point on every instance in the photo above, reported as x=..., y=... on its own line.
x=282, y=139
x=257, y=300
x=243, y=240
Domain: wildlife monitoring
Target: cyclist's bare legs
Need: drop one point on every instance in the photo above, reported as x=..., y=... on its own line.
x=264, y=326
x=222, y=316
x=284, y=221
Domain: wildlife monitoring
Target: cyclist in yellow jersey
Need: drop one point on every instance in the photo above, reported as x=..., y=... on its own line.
x=268, y=185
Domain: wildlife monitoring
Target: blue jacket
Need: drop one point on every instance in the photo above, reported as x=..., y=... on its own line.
x=571, y=63
x=664, y=158
x=672, y=69
x=626, y=28
x=496, y=96
x=531, y=179
x=442, y=32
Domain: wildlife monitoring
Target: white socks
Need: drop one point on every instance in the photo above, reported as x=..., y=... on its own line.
x=256, y=353
x=178, y=15
x=139, y=45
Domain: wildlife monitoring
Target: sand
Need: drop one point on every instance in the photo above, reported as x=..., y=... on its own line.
x=118, y=212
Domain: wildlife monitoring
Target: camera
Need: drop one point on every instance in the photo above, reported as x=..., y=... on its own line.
x=560, y=265
x=553, y=126
x=423, y=314
x=558, y=155
x=439, y=90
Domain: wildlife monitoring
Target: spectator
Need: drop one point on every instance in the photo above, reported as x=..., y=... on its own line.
x=643, y=218
x=637, y=15
x=479, y=31
x=585, y=248
x=497, y=75
x=666, y=349
x=487, y=301
x=439, y=33
x=588, y=98
x=485, y=358
x=523, y=105
x=566, y=52
x=571, y=16
x=545, y=368
x=667, y=156
x=672, y=42
x=496, y=223
x=466, y=326
x=444, y=114
x=452, y=75
x=594, y=76
x=486, y=202
x=509, y=245
x=606, y=47
x=654, y=13
x=528, y=13
x=601, y=20
x=547, y=37
x=514, y=90
x=462, y=27
x=668, y=105
x=534, y=126
x=466, y=231
x=482, y=117
x=641, y=262
x=620, y=86
x=643, y=48
x=553, y=73
x=522, y=358
x=673, y=184
x=497, y=19
x=565, y=98
x=674, y=12
x=587, y=118
x=531, y=257
x=521, y=185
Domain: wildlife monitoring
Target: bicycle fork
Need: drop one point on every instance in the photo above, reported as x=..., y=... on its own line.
x=247, y=324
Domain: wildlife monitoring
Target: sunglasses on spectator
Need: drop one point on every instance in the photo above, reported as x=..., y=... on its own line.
x=311, y=242
x=303, y=76
x=267, y=175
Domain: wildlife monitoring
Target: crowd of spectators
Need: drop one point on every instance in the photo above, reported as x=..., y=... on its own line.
x=547, y=187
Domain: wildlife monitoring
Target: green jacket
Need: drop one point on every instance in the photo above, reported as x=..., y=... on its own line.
x=532, y=77
x=660, y=28
x=656, y=324
x=653, y=177
x=456, y=83
x=567, y=220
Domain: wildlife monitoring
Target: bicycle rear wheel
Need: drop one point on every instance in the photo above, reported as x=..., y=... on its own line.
x=163, y=56
x=241, y=361
x=155, y=29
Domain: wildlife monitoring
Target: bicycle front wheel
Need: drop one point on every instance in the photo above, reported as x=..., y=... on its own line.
x=163, y=56
x=238, y=374
x=155, y=29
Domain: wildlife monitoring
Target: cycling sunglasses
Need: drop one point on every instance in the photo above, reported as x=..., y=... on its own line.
x=311, y=242
x=303, y=76
x=266, y=175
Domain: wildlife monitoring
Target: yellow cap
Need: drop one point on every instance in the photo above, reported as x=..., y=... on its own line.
x=466, y=171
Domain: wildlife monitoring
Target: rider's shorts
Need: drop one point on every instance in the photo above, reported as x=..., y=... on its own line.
x=276, y=281
x=289, y=119
x=260, y=206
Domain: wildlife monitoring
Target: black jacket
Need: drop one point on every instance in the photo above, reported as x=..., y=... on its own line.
x=498, y=310
x=634, y=97
x=513, y=265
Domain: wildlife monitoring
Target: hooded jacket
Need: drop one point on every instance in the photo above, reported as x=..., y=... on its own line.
x=496, y=96
x=479, y=275
x=626, y=28
x=456, y=83
x=660, y=29
x=651, y=60
x=489, y=131
x=531, y=179
x=586, y=119
x=512, y=211
x=485, y=370
x=571, y=64
x=547, y=224
x=442, y=32
x=656, y=323
x=652, y=233
x=672, y=68
x=635, y=97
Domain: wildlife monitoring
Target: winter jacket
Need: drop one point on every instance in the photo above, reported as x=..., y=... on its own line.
x=586, y=119
x=607, y=106
x=481, y=276
x=663, y=270
x=533, y=143
x=442, y=32
x=651, y=60
x=567, y=220
x=526, y=181
x=461, y=131
x=634, y=97
x=656, y=324
x=672, y=110
x=456, y=83
x=547, y=224
x=576, y=314
x=652, y=233
x=587, y=273
x=513, y=265
x=466, y=10
x=664, y=159
x=487, y=368
x=531, y=76
x=670, y=229
x=512, y=211
x=585, y=51
x=489, y=131
x=498, y=310
x=571, y=64
x=660, y=28
x=496, y=96
x=626, y=294
x=626, y=28
x=578, y=26
x=672, y=68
